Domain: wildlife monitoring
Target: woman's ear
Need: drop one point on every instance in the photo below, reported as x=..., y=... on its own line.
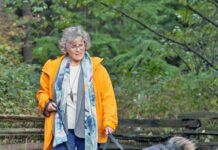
x=63, y=52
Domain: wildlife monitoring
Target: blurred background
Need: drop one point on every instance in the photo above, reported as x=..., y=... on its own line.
x=162, y=55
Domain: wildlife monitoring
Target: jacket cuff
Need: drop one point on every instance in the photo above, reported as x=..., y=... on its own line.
x=109, y=124
x=45, y=112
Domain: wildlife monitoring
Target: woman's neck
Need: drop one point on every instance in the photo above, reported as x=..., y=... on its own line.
x=74, y=63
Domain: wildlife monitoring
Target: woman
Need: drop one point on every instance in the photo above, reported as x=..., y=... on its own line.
x=76, y=96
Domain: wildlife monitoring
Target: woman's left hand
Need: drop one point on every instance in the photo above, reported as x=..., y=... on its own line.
x=108, y=130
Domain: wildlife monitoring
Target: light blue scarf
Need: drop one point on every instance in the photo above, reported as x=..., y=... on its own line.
x=62, y=90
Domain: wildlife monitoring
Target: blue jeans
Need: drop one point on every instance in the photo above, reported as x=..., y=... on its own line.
x=73, y=142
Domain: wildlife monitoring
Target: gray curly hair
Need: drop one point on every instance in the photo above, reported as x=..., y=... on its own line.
x=71, y=33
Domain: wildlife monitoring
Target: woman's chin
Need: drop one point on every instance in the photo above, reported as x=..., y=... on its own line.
x=78, y=59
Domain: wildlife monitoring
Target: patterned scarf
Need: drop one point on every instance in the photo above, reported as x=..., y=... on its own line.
x=62, y=90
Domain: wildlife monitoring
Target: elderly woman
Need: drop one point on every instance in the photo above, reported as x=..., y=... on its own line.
x=76, y=96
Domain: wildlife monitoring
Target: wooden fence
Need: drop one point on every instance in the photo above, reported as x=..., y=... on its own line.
x=26, y=132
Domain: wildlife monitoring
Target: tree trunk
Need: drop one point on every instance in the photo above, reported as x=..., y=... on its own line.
x=26, y=50
x=1, y=6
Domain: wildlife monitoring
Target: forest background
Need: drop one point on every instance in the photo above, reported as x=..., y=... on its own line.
x=162, y=55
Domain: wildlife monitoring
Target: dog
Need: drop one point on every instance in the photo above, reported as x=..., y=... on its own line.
x=174, y=143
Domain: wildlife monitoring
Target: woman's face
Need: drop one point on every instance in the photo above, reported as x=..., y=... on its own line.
x=76, y=50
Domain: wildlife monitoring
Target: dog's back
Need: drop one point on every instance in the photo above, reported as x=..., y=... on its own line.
x=181, y=143
x=174, y=143
x=156, y=147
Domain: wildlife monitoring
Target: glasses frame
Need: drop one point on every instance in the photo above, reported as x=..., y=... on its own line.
x=71, y=46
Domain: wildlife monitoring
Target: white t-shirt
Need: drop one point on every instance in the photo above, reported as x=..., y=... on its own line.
x=71, y=105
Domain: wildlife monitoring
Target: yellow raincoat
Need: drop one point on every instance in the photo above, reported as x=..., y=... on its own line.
x=106, y=107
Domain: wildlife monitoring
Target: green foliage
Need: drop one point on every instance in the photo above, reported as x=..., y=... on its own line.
x=152, y=76
x=11, y=32
x=17, y=84
x=159, y=96
x=17, y=90
x=9, y=57
x=45, y=48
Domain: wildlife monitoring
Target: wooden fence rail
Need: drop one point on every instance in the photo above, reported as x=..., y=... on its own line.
x=189, y=125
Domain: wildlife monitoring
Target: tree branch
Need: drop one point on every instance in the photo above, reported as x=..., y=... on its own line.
x=187, y=48
x=214, y=3
x=201, y=15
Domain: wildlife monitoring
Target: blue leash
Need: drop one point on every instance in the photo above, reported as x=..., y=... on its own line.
x=114, y=140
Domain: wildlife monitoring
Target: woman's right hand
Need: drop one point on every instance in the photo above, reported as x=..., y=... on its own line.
x=51, y=107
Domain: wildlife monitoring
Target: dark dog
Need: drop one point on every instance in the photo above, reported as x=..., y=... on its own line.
x=174, y=143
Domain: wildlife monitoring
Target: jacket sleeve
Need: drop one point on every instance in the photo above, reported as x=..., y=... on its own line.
x=108, y=100
x=43, y=92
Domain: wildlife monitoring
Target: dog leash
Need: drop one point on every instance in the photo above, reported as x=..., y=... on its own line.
x=114, y=140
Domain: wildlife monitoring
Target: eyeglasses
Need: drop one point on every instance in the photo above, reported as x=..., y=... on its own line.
x=74, y=47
